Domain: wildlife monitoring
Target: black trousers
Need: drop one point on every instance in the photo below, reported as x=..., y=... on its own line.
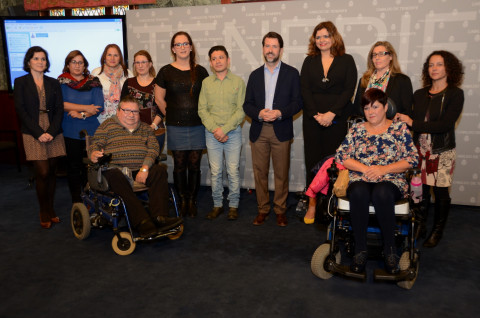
x=383, y=196
x=157, y=193
x=76, y=170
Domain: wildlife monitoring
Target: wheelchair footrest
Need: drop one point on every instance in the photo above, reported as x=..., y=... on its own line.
x=344, y=270
x=380, y=274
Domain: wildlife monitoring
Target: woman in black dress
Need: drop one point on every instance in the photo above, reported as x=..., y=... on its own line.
x=177, y=90
x=328, y=81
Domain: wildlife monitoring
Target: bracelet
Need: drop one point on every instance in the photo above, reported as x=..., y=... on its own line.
x=144, y=170
x=155, y=127
x=84, y=116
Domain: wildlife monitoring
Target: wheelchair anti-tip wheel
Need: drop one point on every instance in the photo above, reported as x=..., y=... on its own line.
x=318, y=261
x=404, y=264
x=177, y=235
x=80, y=221
x=125, y=245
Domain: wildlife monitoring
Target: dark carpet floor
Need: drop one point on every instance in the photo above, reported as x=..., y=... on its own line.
x=217, y=268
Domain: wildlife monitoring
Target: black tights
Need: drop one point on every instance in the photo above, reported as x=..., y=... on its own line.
x=438, y=192
x=184, y=160
x=45, y=184
x=383, y=196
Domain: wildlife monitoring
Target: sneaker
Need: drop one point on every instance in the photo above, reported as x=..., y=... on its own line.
x=359, y=262
x=391, y=263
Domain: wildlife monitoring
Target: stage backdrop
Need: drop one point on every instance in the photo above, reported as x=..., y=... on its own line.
x=414, y=27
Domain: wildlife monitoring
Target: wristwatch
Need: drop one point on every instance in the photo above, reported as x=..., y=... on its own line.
x=84, y=116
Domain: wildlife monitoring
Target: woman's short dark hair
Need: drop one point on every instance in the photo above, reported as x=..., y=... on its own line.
x=29, y=55
x=273, y=35
x=373, y=95
x=453, y=68
x=73, y=54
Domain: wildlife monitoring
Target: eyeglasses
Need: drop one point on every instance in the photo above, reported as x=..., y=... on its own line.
x=374, y=55
x=141, y=62
x=319, y=37
x=179, y=45
x=79, y=63
x=130, y=112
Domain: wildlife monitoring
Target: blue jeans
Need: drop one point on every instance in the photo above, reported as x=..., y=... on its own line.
x=232, y=148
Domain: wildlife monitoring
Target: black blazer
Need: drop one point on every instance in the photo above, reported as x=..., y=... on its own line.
x=287, y=99
x=27, y=105
x=399, y=89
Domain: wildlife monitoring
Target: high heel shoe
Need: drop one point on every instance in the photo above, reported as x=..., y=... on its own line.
x=308, y=221
x=55, y=219
x=46, y=225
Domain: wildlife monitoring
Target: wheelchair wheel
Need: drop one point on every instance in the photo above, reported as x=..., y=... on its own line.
x=80, y=221
x=405, y=265
x=318, y=261
x=123, y=246
x=177, y=235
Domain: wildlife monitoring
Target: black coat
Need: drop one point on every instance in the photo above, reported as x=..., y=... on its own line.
x=27, y=105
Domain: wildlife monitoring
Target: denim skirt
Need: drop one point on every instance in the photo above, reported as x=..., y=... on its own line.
x=186, y=137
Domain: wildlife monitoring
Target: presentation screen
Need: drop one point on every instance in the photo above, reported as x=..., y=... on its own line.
x=58, y=36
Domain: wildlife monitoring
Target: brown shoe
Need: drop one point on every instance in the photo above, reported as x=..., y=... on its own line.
x=216, y=211
x=232, y=213
x=281, y=220
x=260, y=218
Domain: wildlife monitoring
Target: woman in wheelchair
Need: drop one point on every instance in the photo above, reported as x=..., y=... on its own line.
x=377, y=154
x=132, y=144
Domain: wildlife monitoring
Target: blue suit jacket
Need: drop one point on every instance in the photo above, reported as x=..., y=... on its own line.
x=287, y=99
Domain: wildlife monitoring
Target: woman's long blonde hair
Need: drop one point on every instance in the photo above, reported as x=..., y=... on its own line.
x=394, y=65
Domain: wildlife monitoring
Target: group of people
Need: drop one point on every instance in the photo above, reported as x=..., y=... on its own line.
x=126, y=111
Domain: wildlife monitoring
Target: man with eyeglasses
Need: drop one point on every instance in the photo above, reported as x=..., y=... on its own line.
x=133, y=145
x=271, y=100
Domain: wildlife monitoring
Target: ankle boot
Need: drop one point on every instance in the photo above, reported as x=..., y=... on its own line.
x=180, y=182
x=442, y=207
x=421, y=214
x=193, y=187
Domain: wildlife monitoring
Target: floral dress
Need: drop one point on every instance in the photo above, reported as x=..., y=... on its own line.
x=393, y=145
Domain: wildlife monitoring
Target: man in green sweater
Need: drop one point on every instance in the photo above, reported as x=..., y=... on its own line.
x=132, y=144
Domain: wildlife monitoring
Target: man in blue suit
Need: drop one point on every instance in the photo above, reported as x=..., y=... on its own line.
x=272, y=98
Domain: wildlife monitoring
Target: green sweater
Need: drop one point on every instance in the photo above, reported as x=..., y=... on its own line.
x=128, y=149
x=221, y=102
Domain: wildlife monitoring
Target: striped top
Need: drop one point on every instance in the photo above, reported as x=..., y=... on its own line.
x=128, y=149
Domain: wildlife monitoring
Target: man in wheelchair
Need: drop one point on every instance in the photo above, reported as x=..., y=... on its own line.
x=377, y=154
x=132, y=144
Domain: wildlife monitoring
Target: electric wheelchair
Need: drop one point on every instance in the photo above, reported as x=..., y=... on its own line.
x=328, y=259
x=102, y=208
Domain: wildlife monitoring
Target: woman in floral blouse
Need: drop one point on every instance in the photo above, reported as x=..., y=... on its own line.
x=377, y=154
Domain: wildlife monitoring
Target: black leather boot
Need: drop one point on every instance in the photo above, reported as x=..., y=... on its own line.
x=442, y=208
x=180, y=182
x=421, y=214
x=193, y=187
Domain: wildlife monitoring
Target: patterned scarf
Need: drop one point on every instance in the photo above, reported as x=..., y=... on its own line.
x=86, y=84
x=380, y=83
x=114, y=75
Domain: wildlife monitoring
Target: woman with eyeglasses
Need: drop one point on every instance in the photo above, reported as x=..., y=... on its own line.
x=435, y=111
x=328, y=81
x=39, y=106
x=112, y=73
x=82, y=103
x=384, y=72
x=142, y=87
x=177, y=90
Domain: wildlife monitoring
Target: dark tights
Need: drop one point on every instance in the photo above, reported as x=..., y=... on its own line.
x=45, y=184
x=184, y=160
x=438, y=192
x=383, y=196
